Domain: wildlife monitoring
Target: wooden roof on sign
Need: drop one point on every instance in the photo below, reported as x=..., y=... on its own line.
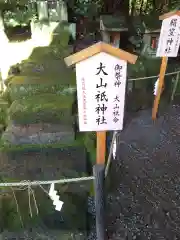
x=97, y=48
x=169, y=14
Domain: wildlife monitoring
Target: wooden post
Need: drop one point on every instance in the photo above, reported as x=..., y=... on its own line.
x=86, y=71
x=160, y=86
x=168, y=46
x=101, y=147
x=99, y=182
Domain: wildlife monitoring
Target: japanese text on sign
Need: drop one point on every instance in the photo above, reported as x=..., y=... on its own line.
x=101, y=96
x=169, y=40
x=104, y=81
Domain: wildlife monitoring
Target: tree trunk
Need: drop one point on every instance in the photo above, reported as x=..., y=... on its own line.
x=154, y=4
x=132, y=7
x=108, y=6
x=121, y=6
x=141, y=8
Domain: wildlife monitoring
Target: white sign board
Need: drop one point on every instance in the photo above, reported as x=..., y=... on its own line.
x=101, y=85
x=169, y=39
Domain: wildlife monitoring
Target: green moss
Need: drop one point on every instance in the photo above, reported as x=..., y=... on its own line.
x=11, y=217
x=66, y=76
x=5, y=96
x=48, y=108
x=9, y=147
x=3, y=113
x=19, y=91
x=89, y=141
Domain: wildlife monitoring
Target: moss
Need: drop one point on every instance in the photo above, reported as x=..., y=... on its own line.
x=5, y=96
x=19, y=91
x=12, y=218
x=9, y=147
x=3, y=113
x=66, y=76
x=48, y=108
x=89, y=141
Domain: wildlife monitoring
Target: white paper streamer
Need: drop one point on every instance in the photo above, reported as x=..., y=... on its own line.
x=55, y=198
x=156, y=87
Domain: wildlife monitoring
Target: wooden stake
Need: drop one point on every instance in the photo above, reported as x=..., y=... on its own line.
x=101, y=147
x=160, y=86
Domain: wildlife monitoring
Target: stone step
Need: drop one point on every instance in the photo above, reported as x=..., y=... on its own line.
x=44, y=163
x=38, y=134
x=25, y=89
x=47, y=108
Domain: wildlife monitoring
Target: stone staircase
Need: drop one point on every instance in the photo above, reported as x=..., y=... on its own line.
x=41, y=141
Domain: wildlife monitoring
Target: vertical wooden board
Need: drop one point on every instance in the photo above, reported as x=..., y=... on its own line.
x=169, y=39
x=101, y=91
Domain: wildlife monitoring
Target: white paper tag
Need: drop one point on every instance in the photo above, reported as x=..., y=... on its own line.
x=55, y=198
x=156, y=87
x=53, y=194
x=58, y=205
x=51, y=190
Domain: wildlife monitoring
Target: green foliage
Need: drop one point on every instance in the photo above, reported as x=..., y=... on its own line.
x=89, y=139
x=17, y=17
x=138, y=69
x=61, y=37
x=88, y=7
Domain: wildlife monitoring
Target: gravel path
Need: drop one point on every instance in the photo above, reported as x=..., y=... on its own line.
x=145, y=198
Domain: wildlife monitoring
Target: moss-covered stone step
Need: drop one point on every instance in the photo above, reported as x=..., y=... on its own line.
x=47, y=108
x=22, y=90
x=44, y=233
x=46, y=164
x=64, y=222
x=42, y=163
x=38, y=134
x=40, y=79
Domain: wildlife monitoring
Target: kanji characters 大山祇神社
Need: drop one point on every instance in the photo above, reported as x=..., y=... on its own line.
x=101, y=96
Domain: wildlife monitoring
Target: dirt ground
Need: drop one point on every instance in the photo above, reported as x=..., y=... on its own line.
x=145, y=199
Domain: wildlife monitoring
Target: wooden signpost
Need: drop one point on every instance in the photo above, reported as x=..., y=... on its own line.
x=101, y=84
x=168, y=46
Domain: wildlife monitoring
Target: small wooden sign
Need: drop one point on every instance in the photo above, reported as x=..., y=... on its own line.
x=169, y=39
x=101, y=84
x=168, y=46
